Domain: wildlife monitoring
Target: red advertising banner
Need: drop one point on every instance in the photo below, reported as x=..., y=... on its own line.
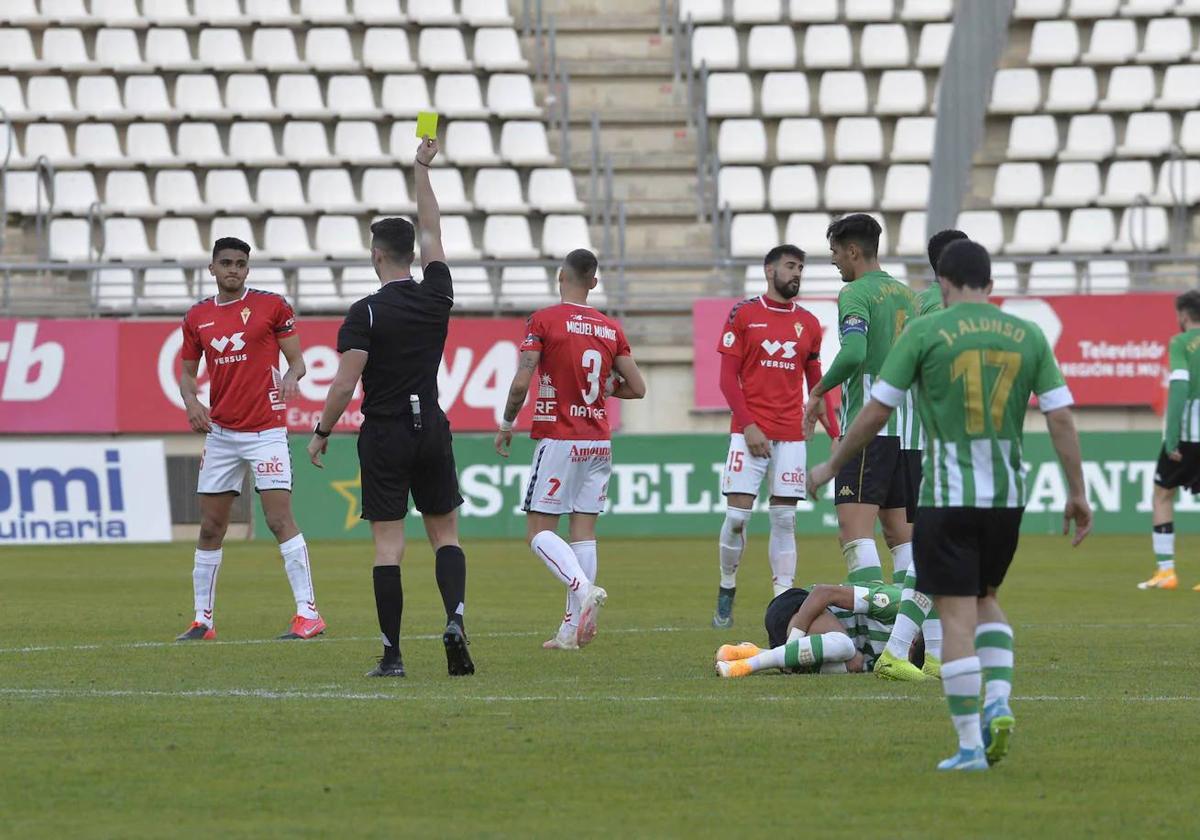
x=1112, y=348
x=60, y=376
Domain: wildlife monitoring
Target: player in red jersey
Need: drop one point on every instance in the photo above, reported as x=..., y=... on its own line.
x=239, y=333
x=575, y=348
x=768, y=348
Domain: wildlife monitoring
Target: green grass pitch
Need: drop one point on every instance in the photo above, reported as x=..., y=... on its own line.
x=110, y=731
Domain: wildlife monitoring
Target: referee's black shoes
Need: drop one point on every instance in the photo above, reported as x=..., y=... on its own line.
x=387, y=668
x=458, y=659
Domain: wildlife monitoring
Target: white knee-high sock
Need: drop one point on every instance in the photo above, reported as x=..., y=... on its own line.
x=805, y=651
x=994, y=645
x=862, y=561
x=299, y=575
x=562, y=563
x=961, y=681
x=902, y=562
x=732, y=544
x=932, y=631
x=781, y=548
x=204, y=583
x=585, y=553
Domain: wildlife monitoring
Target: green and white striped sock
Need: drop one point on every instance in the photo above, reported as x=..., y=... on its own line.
x=1163, y=540
x=994, y=647
x=961, y=684
x=862, y=561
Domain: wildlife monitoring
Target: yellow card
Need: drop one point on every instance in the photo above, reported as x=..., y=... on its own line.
x=427, y=123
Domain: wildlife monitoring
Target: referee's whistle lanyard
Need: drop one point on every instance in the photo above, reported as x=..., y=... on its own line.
x=415, y=403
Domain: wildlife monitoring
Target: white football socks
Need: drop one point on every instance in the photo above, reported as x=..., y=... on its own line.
x=932, y=630
x=204, y=584
x=781, y=547
x=299, y=575
x=585, y=553
x=961, y=681
x=732, y=544
x=564, y=565
x=862, y=561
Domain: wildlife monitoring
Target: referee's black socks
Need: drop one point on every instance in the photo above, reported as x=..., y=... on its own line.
x=451, y=570
x=389, y=606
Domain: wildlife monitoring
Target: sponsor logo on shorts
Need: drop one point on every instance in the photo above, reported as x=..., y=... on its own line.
x=792, y=477
x=579, y=454
x=274, y=467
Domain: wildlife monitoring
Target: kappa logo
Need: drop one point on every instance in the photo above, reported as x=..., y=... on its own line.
x=845, y=491
x=233, y=342
x=773, y=347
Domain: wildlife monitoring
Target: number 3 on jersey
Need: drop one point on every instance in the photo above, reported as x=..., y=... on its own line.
x=593, y=363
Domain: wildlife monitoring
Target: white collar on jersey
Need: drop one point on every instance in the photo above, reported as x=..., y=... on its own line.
x=763, y=300
x=245, y=291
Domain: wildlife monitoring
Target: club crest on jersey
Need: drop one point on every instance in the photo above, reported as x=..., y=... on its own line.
x=728, y=339
x=799, y=329
x=245, y=313
x=881, y=600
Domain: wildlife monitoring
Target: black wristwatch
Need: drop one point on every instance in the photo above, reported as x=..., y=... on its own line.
x=317, y=431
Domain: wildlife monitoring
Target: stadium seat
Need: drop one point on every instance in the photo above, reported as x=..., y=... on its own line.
x=221, y=49
x=468, y=143
x=716, y=47
x=1015, y=91
x=165, y=290
x=199, y=143
x=702, y=11
x=1127, y=180
x=442, y=50
x=820, y=279
x=112, y=289
x=385, y=191
x=1113, y=42
x=98, y=96
x=496, y=49
x=1178, y=181
x=753, y=234
x=1147, y=134
x=70, y=239
x=524, y=143
x=95, y=144
x=508, y=238
x=386, y=51
x=742, y=141
x=16, y=50
x=1181, y=87
x=69, y=12
x=305, y=143
x=197, y=95
x=842, y=93
x=1142, y=229
x=883, y=45
x=912, y=139
x=357, y=141
x=457, y=240
x=510, y=96
x=912, y=234
x=741, y=188
x=49, y=139
x=358, y=281
x=1018, y=185
x=486, y=13
x=901, y=92
x=1075, y=185
x=1089, y=137
x=379, y=12
x=793, y=188
x=1052, y=277
x=1089, y=229
x=563, y=234
x=524, y=287
x=1072, y=89
x=1035, y=232
x=812, y=11
x=1005, y=279
x=800, y=140
x=457, y=95
x=286, y=237
x=1129, y=89
x=498, y=191
x=849, y=187
x=339, y=237
x=448, y=185
x=433, y=13
x=330, y=191
x=906, y=187
x=402, y=139
x=1053, y=43
x=827, y=46
x=167, y=12
x=1168, y=40
x=218, y=12
x=1189, y=133
x=870, y=9
x=803, y=229
x=315, y=287
x=118, y=49
x=251, y=143
x=64, y=49
x=228, y=191
x=1106, y=277
x=729, y=95
x=984, y=226
x=249, y=96
x=934, y=44
x=269, y=279
x=328, y=49
x=771, y=48
x=858, y=139
x=299, y=95
x=176, y=191
x=274, y=48
x=271, y=12
x=757, y=11
x=553, y=191
x=1147, y=8
x=1082, y=9
x=924, y=10
x=1038, y=9
x=12, y=99
x=280, y=190
x=50, y=97
x=784, y=95
x=148, y=144
x=325, y=11
x=405, y=95
x=145, y=97
x=178, y=239
x=235, y=226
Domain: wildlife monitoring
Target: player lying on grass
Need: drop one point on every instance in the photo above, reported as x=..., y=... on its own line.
x=830, y=629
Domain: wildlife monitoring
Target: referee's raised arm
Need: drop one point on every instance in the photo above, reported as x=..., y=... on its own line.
x=429, y=215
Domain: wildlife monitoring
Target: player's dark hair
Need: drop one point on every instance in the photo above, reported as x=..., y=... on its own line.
x=230, y=243
x=780, y=251
x=395, y=237
x=1189, y=302
x=939, y=241
x=857, y=229
x=583, y=263
x=965, y=264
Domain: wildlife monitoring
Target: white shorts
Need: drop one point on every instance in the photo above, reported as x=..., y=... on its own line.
x=227, y=454
x=744, y=473
x=569, y=476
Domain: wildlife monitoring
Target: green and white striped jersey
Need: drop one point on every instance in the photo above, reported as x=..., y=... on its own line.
x=1183, y=355
x=876, y=306
x=975, y=367
x=930, y=300
x=869, y=624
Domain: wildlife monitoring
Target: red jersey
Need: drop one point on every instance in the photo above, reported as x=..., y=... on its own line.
x=239, y=341
x=774, y=343
x=579, y=345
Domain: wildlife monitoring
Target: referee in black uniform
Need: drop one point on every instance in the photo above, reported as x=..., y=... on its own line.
x=394, y=340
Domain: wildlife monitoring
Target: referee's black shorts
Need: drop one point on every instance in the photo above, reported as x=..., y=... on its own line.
x=964, y=550
x=396, y=459
x=875, y=476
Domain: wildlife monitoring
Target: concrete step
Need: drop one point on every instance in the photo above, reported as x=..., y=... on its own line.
x=609, y=68
x=641, y=96
x=610, y=45
x=674, y=138
x=654, y=187
x=664, y=237
x=581, y=160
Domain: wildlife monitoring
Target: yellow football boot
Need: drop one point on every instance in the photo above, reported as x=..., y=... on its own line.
x=732, y=653
x=739, y=668
x=1163, y=579
x=932, y=667
x=889, y=667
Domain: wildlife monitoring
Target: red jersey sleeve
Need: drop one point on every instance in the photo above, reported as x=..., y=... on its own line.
x=284, y=322
x=192, y=349
x=535, y=333
x=731, y=337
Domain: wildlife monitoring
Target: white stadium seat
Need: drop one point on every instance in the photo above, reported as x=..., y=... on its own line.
x=1142, y=229
x=178, y=239
x=553, y=191
x=385, y=191
x=457, y=95
x=325, y=11
x=496, y=48
x=457, y=239
x=199, y=142
x=221, y=49
x=280, y=190
x=1005, y=279
x=357, y=141
x=804, y=229
x=299, y=95
x=450, y=189
x=469, y=143
x=912, y=139
x=742, y=141
x=64, y=49
x=1129, y=89
x=16, y=50
x=498, y=191
x=118, y=49
x=167, y=12
x=1075, y=185
x=1090, y=137
x=275, y=49
x=70, y=239
x=849, y=187
x=1106, y=277
x=239, y=227
x=315, y=288
x=921, y=10
x=843, y=92
x=1181, y=87
x=252, y=143
x=112, y=289
x=1072, y=89
x=1052, y=277
x=510, y=95
x=729, y=95
x=149, y=145
x=1018, y=185
x=912, y=234
x=306, y=143
x=984, y=226
x=229, y=192
x=716, y=47
x=74, y=191
x=442, y=50
x=1168, y=40
x=1127, y=181
x=218, y=12
x=328, y=48
x=330, y=191
x=508, y=238
x=771, y=48
x=486, y=12
x=146, y=96
x=433, y=13
x=812, y=11
x=785, y=95
x=65, y=11
x=757, y=11
x=49, y=139
x=793, y=188
x=820, y=279
x=249, y=96
x=165, y=289
x=526, y=287
x=884, y=45
x=386, y=51
x=1147, y=8
x=1016, y=91
x=741, y=188
x=1038, y=9
x=1189, y=133
x=1113, y=42
x=286, y=237
x=271, y=12
x=405, y=95
x=96, y=144
x=1035, y=232
x=49, y=96
x=177, y=191
x=563, y=234
x=901, y=92
x=800, y=140
x=906, y=187
x=339, y=237
x=934, y=44
x=870, y=9
x=858, y=139
x=1178, y=182
x=753, y=234
x=1054, y=42
x=1089, y=229
x=1093, y=8
x=827, y=46
x=1147, y=134
x=197, y=95
x=524, y=143
x=98, y=96
x=702, y=11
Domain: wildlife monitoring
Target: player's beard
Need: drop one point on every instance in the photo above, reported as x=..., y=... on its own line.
x=786, y=290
